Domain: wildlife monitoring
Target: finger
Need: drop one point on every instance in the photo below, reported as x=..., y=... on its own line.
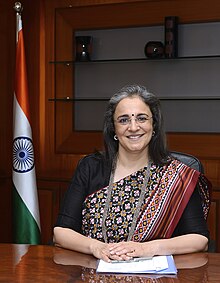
x=105, y=257
x=132, y=253
x=113, y=246
x=119, y=251
x=116, y=257
x=125, y=253
x=122, y=258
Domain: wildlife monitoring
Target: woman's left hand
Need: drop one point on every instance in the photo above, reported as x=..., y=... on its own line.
x=126, y=250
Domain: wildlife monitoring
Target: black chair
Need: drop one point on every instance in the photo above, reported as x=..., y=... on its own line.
x=189, y=160
x=196, y=164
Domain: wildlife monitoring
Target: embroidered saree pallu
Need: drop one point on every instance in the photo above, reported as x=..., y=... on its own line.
x=166, y=195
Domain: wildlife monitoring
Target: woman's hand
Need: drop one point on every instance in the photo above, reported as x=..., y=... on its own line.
x=117, y=251
x=100, y=250
x=127, y=250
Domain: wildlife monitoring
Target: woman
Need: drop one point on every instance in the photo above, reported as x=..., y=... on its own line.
x=134, y=200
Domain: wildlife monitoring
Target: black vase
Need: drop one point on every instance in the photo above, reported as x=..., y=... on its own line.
x=154, y=49
x=83, y=48
x=171, y=37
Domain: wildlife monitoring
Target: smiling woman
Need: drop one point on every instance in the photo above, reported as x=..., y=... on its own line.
x=134, y=199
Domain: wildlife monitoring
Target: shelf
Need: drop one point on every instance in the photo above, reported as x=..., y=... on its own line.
x=136, y=60
x=68, y=99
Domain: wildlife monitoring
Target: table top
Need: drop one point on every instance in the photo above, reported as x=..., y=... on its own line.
x=26, y=263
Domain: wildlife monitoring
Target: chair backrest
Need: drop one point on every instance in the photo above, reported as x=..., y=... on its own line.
x=194, y=163
x=189, y=160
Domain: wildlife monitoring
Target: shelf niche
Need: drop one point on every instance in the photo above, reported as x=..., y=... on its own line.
x=69, y=137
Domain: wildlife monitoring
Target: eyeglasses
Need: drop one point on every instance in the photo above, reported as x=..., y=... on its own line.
x=139, y=119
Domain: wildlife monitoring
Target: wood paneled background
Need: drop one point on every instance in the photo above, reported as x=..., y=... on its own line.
x=53, y=136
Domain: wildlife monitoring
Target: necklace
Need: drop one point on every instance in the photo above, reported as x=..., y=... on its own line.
x=138, y=208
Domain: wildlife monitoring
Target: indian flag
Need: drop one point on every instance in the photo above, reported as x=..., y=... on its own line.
x=26, y=220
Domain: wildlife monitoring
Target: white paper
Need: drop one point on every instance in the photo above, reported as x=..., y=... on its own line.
x=151, y=265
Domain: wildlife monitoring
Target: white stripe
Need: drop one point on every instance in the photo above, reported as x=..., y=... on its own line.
x=20, y=122
x=18, y=25
x=25, y=183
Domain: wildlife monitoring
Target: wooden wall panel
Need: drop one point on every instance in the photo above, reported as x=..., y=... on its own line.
x=7, y=48
x=5, y=210
x=50, y=194
x=212, y=169
x=214, y=220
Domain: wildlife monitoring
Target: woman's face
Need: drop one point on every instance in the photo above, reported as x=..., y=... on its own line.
x=133, y=125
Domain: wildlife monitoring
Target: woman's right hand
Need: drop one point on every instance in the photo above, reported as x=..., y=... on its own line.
x=100, y=250
x=72, y=240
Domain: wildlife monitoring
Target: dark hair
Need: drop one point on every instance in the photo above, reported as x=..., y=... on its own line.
x=157, y=147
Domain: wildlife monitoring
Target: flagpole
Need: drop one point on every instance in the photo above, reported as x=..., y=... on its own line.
x=26, y=217
x=18, y=9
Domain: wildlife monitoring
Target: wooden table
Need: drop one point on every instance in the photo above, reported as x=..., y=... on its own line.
x=24, y=263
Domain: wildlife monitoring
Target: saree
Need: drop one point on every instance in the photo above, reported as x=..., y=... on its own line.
x=166, y=196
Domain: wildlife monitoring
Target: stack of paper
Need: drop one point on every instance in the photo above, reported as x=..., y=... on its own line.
x=156, y=264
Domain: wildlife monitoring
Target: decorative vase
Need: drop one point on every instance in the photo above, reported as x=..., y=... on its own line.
x=83, y=48
x=171, y=37
x=154, y=49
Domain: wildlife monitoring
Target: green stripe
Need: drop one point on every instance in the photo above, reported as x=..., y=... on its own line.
x=25, y=228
